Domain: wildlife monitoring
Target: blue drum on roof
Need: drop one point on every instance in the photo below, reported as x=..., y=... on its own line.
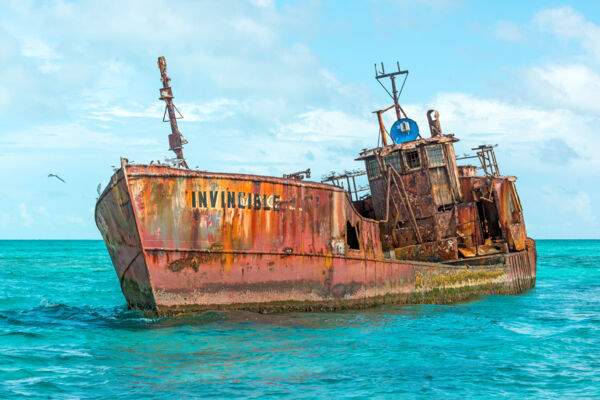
x=404, y=130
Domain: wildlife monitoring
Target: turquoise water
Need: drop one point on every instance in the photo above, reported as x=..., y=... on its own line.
x=65, y=333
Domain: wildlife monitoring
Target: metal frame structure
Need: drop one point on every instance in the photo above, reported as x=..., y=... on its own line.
x=338, y=180
x=487, y=157
x=176, y=139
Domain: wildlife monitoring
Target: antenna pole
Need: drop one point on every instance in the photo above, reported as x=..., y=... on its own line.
x=395, y=94
x=176, y=139
x=392, y=76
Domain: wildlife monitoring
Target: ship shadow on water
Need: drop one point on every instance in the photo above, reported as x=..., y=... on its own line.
x=53, y=315
x=232, y=320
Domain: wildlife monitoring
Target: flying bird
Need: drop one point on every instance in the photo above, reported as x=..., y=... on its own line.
x=57, y=177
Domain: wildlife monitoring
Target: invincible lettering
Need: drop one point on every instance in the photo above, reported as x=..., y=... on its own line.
x=227, y=199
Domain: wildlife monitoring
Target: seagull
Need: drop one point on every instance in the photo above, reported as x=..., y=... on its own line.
x=57, y=177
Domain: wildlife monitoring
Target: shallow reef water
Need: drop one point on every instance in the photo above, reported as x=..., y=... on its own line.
x=65, y=332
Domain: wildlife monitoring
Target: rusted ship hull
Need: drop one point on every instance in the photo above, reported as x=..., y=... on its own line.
x=186, y=241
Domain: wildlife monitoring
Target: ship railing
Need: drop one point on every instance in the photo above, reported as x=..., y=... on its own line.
x=487, y=159
x=347, y=181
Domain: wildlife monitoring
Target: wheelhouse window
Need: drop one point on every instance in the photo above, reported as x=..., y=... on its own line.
x=435, y=156
x=412, y=160
x=373, y=169
x=393, y=159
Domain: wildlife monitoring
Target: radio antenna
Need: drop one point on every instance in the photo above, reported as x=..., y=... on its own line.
x=395, y=94
x=176, y=139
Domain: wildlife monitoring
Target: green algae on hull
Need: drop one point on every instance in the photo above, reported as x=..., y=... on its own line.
x=433, y=284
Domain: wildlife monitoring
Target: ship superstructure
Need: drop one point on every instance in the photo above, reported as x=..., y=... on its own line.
x=429, y=207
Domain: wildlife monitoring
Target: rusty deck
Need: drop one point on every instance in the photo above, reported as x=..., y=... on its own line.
x=186, y=241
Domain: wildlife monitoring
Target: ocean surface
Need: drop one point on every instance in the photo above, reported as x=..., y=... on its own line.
x=66, y=333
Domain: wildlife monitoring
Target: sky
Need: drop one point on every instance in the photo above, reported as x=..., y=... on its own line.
x=269, y=87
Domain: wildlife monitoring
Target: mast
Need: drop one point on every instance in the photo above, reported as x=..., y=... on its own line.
x=395, y=94
x=176, y=139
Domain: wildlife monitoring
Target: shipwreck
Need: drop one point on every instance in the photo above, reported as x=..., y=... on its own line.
x=424, y=229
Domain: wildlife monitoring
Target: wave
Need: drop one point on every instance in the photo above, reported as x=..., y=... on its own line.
x=20, y=333
x=58, y=315
x=52, y=315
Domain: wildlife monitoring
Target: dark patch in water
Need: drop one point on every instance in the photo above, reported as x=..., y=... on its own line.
x=25, y=334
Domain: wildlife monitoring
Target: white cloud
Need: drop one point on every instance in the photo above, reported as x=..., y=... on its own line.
x=261, y=33
x=574, y=86
x=233, y=47
x=5, y=218
x=583, y=207
x=555, y=137
x=490, y=119
x=326, y=126
x=41, y=50
x=537, y=133
x=108, y=113
x=212, y=110
x=75, y=220
x=71, y=136
x=509, y=31
x=569, y=24
x=26, y=217
x=42, y=210
x=434, y=4
x=48, y=68
x=571, y=208
x=37, y=48
x=263, y=3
